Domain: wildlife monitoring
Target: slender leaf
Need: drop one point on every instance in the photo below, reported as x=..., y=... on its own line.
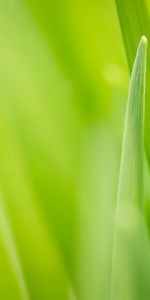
x=130, y=184
x=134, y=21
x=131, y=257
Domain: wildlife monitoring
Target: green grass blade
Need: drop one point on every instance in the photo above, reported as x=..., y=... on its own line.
x=134, y=22
x=130, y=182
x=131, y=258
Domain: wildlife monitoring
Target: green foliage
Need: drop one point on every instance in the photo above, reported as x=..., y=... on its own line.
x=63, y=86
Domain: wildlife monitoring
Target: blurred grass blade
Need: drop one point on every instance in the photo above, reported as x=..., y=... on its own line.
x=131, y=257
x=7, y=236
x=134, y=22
x=38, y=254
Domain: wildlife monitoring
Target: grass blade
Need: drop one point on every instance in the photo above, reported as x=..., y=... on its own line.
x=134, y=22
x=130, y=181
x=131, y=259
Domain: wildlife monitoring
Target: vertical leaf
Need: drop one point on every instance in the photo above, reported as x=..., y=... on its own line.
x=134, y=22
x=130, y=181
x=131, y=258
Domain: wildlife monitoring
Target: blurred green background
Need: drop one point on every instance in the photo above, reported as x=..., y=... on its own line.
x=63, y=89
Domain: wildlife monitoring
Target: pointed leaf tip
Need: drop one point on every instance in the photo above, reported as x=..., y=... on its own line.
x=143, y=44
x=144, y=40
